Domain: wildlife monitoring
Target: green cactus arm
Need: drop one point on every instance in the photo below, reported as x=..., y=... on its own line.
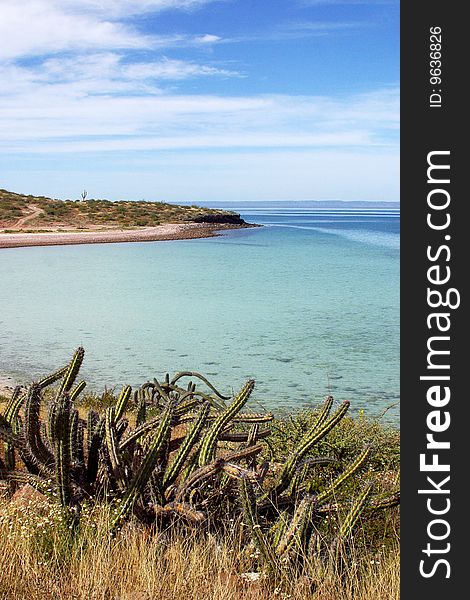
x=144, y=472
x=186, y=406
x=41, y=484
x=110, y=431
x=350, y=470
x=253, y=435
x=243, y=436
x=210, y=439
x=94, y=446
x=189, y=400
x=278, y=529
x=32, y=430
x=79, y=444
x=112, y=446
x=72, y=371
x=73, y=429
x=10, y=456
x=385, y=501
x=244, y=453
x=62, y=446
x=248, y=502
x=239, y=418
x=121, y=427
x=140, y=431
x=122, y=402
x=319, y=431
x=323, y=414
x=191, y=438
x=354, y=514
x=139, y=399
x=66, y=384
x=202, y=378
x=92, y=421
x=314, y=435
x=14, y=407
x=16, y=441
x=300, y=521
x=253, y=418
x=14, y=404
x=52, y=378
x=77, y=390
x=189, y=469
x=51, y=421
x=298, y=478
x=199, y=475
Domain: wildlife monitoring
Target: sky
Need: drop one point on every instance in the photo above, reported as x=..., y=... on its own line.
x=209, y=100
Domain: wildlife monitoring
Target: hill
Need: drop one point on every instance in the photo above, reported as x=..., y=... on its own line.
x=19, y=212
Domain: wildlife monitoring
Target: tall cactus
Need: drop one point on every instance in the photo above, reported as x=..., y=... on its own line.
x=148, y=464
x=317, y=432
x=210, y=439
x=122, y=402
x=71, y=372
x=170, y=466
x=354, y=513
x=300, y=522
x=348, y=472
x=62, y=449
x=191, y=438
x=248, y=500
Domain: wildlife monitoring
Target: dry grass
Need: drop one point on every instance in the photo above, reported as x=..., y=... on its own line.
x=42, y=560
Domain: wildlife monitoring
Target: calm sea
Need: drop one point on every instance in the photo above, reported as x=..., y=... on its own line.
x=308, y=305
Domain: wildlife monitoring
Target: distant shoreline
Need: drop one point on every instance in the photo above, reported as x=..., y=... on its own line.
x=167, y=232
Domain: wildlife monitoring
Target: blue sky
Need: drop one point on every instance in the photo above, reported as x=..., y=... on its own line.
x=187, y=100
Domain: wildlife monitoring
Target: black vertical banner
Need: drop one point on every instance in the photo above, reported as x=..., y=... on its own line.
x=434, y=328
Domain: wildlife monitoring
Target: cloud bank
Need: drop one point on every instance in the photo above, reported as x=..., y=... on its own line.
x=80, y=78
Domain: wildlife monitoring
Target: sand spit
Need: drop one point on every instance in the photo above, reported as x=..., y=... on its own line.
x=170, y=231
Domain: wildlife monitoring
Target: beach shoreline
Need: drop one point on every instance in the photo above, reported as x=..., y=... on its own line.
x=167, y=232
x=7, y=385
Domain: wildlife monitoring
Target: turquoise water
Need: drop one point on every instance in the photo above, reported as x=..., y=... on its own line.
x=307, y=305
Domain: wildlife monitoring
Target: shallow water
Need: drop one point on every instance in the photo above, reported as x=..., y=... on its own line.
x=307, y=305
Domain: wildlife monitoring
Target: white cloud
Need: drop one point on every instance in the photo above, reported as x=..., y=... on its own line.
x=120, y=8
x=39, y=27
x=208, y=39
x=100, y=103
x=190, y=142
x=173, y=70
x=79, y=78
x=59, y=80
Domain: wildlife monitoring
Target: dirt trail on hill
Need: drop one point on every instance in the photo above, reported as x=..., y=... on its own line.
x=35, y=212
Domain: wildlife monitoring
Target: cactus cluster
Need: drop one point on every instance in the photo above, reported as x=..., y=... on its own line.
x=190, y=456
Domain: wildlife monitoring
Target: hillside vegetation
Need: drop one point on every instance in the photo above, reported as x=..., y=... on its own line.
x=20, y=213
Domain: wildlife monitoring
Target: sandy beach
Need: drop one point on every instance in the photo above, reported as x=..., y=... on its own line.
x=170, y=231
x=7, y=385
